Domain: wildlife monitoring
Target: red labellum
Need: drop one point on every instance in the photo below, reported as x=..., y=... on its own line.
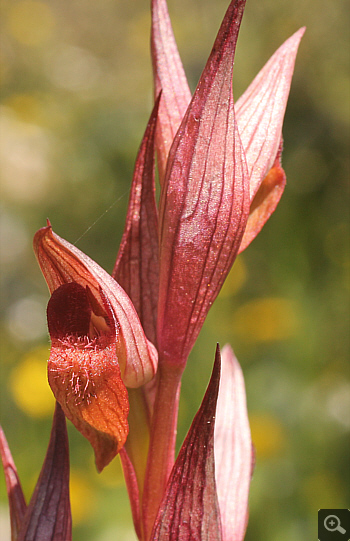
x=83, y=370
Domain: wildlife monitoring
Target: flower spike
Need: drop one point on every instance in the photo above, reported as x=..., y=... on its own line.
x=204, y=202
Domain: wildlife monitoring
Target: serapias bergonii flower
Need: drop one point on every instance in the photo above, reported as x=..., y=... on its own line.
x=98, y=347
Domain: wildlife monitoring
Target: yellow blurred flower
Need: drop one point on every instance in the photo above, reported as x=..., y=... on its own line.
x=112, y=475
x=266, y=319
x=268, y=435
x=29, y=385
x=323, y=490
x=26, y=107
x=82, y=497
x=31, y=22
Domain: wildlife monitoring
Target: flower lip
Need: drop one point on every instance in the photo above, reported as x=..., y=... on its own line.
x=71, y=317
x=108, y=308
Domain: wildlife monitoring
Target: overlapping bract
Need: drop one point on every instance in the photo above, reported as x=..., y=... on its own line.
x=218, y=181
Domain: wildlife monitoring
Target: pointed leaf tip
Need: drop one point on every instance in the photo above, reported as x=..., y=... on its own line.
x=190, y=509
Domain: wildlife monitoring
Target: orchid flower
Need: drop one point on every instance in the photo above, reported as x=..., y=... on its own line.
x=98, y=346
x=120, y=343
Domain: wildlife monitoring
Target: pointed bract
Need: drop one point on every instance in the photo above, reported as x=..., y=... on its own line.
x=260, y=111
x=61, y=263
x=169, y=78
x=15, y=495
x=190, y=509
x=136, y=268
x=233, y=449
x=48, y=517
x=204, y=202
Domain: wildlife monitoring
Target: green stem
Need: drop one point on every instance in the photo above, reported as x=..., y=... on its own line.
x=161, y=454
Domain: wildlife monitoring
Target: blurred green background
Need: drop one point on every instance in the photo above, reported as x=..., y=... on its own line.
x=76, y=93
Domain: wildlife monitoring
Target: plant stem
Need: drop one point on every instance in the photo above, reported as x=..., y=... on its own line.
x=162, y=443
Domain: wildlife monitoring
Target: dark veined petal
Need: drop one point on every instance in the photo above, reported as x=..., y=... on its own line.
x=48, y=517
x=170, y=79
x=204, y=202
x=190, y=508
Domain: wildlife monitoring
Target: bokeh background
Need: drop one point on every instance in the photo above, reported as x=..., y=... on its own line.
x=76, y=93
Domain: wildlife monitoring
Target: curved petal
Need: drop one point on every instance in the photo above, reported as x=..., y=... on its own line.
x=233, y=449
x=61, y=263
x=260, y=111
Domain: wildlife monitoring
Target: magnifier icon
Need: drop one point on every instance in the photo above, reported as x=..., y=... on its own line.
x=332, y=524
